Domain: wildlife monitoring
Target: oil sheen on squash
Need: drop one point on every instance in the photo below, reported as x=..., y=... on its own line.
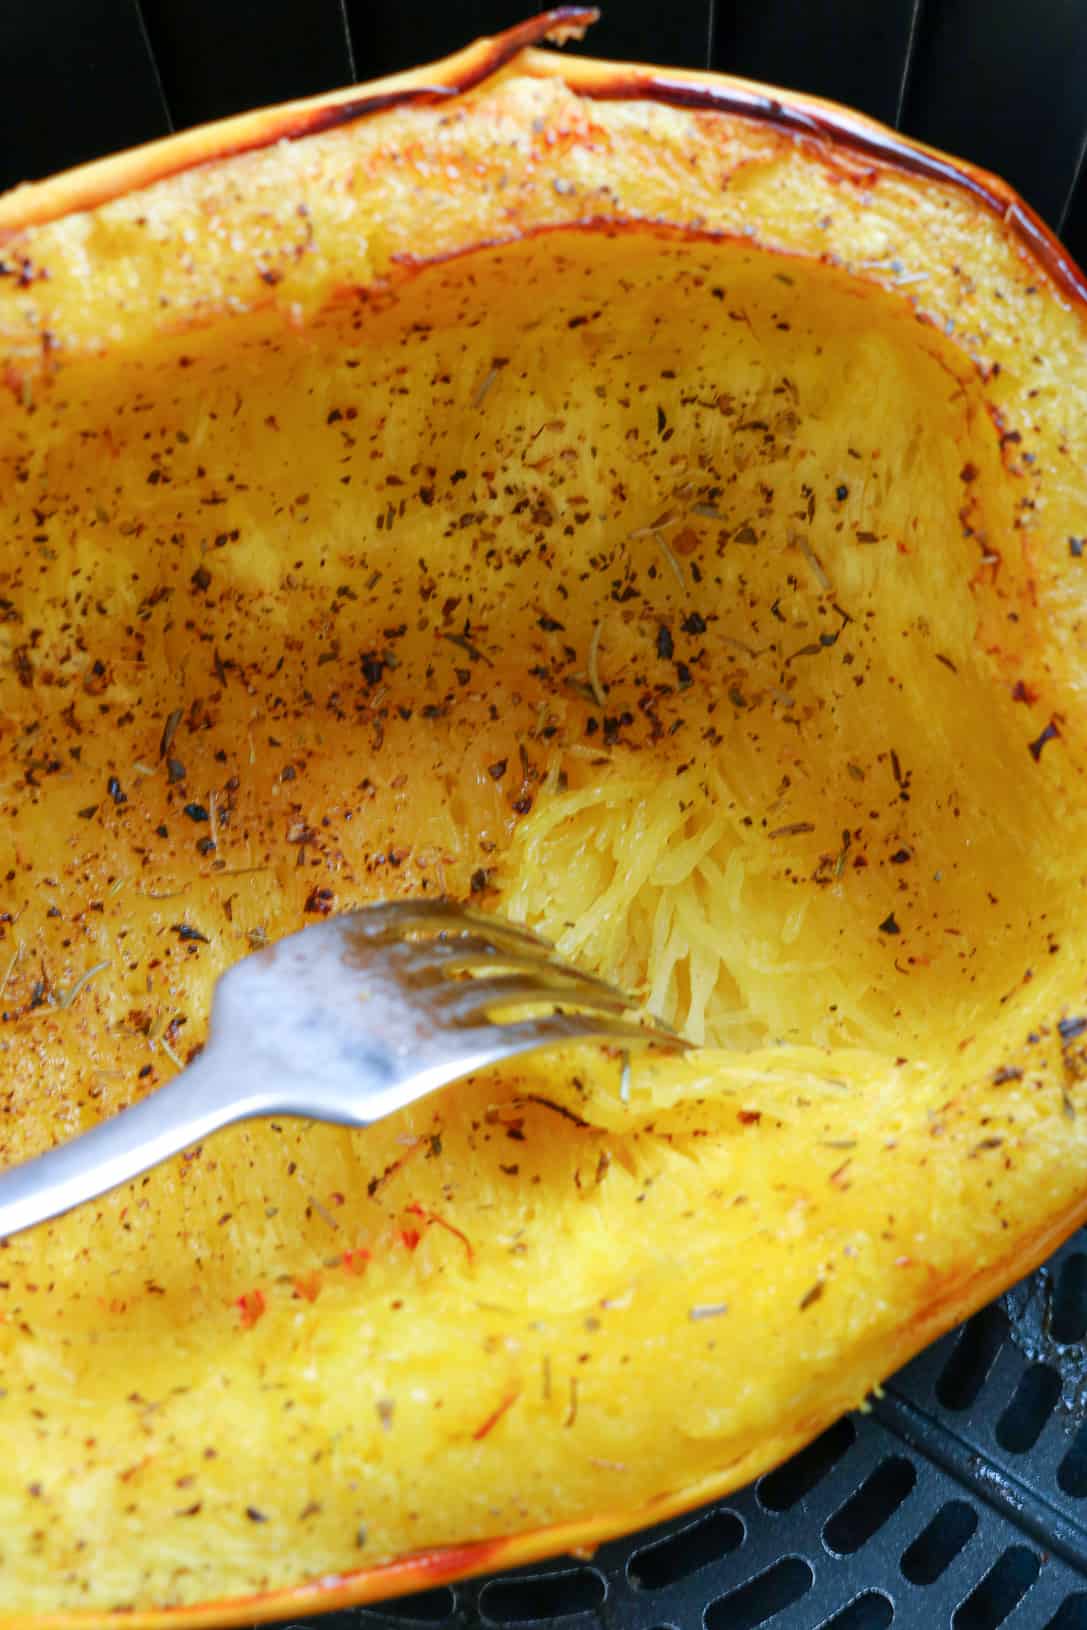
x=637, y=588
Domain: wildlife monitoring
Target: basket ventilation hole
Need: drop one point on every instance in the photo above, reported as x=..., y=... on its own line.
x=780, y=1489
x=1032, y=1403
x=669, y=1560
x=870, y=1506
x=872, y=1611
x=1068, y=1321
x=1071, y=1615
x=426, y=1607
x=937, y=1546
x=1002, y=1589
x=1072, y=1471
x=763, y=1597
x=974, y=1355
x=542, y=1596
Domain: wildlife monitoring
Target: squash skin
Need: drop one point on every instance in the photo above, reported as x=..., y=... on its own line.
x=126, y=314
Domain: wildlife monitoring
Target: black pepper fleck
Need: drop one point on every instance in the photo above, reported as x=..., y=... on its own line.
x=185, y=931
x=1035, y=747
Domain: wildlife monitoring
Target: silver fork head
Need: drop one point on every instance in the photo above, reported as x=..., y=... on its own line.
x=366, y=1012
x=346, y=1021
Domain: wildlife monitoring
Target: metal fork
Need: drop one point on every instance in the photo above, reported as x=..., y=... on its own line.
x=348, y=1020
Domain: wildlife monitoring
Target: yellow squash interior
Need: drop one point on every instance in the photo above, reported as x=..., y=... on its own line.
x=639, y=587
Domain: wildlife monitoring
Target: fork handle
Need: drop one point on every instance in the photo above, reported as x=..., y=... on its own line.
x=174, y=1117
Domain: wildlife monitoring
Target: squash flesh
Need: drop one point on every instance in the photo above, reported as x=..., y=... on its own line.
x=497, y=1397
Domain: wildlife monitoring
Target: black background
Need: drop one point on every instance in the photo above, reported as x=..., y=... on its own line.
x=996, y=81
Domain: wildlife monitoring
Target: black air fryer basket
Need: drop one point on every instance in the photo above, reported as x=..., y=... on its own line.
x=960, y=1500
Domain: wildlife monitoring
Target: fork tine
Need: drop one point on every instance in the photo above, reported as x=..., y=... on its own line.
x=505, y=964
x=477, y=996
x=405, y=922
x=548, y=976
x=396, y=918
x=486, y=946
x=527, y=1034
x=472, y=943
x=498, y=937
x=502, y=925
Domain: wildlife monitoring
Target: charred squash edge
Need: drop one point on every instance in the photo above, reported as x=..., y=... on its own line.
x=807, y=118
x=803, y=116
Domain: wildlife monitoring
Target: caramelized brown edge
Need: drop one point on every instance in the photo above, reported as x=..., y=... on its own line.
x=88, y=185
x=826, y=122
x=805, y=117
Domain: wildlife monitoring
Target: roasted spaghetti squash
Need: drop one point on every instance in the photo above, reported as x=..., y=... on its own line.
x=647, y=506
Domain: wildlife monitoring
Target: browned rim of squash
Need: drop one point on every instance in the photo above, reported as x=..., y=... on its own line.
x=807, y=119
x=804, y=117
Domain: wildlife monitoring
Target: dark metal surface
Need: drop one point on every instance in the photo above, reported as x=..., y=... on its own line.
x=387, y=37
x=217, y=59
x=852, y=51
x=1004, y=86
x=76, y=80
x=960, y=1499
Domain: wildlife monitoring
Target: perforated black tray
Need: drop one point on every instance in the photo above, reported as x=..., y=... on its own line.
x=960, y=1501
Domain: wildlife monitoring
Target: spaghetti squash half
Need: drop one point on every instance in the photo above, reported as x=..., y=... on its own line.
x=647, y=506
